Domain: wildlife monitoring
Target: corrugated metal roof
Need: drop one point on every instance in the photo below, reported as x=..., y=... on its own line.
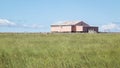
x=69, y=23
x=66, y=23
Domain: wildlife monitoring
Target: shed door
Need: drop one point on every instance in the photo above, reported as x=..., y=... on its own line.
x=73, y=28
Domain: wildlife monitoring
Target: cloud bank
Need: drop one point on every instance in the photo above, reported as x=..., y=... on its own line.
x=111, y=27
x=8, y=23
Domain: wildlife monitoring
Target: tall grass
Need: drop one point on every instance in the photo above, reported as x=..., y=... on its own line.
x=59, y=50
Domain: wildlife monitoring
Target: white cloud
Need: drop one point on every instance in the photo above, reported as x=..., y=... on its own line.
x=5, y=22
x=8, y=23
x=110, y=27
x=31, y=26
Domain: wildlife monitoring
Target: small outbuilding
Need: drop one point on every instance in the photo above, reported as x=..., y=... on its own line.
x=73, y=26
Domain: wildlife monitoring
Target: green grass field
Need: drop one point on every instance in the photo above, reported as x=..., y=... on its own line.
x=59, y=50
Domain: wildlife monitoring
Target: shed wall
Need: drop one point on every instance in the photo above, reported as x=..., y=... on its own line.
x=79, y=28
x=61, y=28
x=55, y=29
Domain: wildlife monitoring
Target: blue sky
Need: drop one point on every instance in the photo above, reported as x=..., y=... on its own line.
x=38, y=15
